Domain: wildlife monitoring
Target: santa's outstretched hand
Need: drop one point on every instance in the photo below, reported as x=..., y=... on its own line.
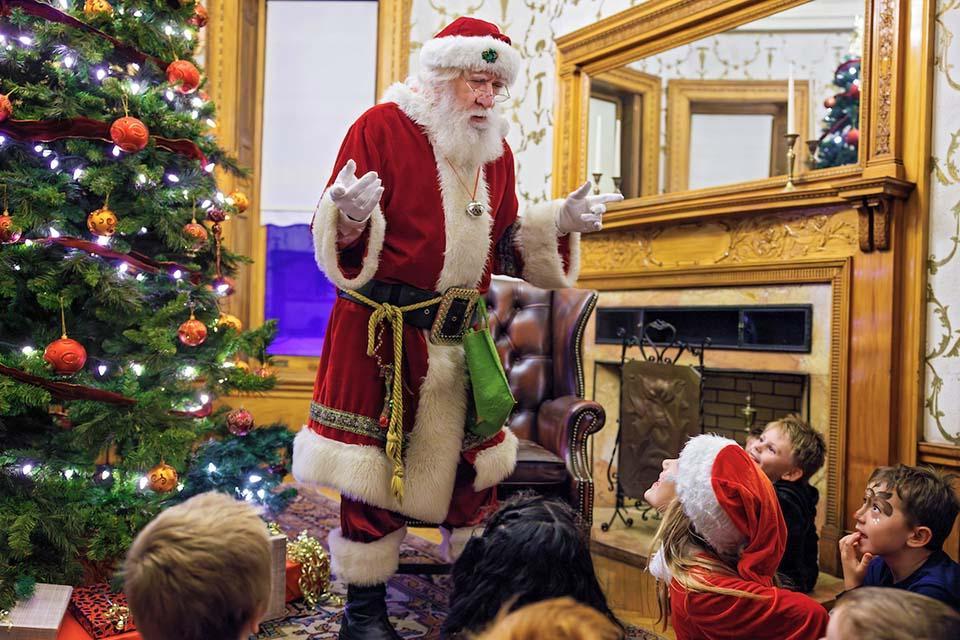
x=356, y=199
x=582, y=212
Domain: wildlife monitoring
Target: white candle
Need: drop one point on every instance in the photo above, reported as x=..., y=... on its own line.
x=598, y=133
x=616, y=152
x=812, y=109
x=791, y=123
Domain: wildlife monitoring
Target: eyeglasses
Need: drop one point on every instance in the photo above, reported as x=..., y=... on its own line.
x=497, y=89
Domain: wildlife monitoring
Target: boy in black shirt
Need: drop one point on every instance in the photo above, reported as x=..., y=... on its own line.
x=789, y=451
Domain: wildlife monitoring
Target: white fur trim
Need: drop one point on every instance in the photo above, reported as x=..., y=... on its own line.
x=495, y=463
x=430, y=458
x=463, y=52
x=539, y=245
x=696, y=495
x=365, y=563
x=453, y=541
x=325, y=244
x=658, y=567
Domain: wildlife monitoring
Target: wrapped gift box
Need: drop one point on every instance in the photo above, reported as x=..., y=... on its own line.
x=39, y=617
x=101, y=613
x=294, y=570
x=278, y=562
x=71, y=630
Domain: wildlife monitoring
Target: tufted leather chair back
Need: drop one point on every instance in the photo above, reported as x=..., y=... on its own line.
x=538, y=334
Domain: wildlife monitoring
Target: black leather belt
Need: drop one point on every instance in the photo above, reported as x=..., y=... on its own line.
x=400, y=295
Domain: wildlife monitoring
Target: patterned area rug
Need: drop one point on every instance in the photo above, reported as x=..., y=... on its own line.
x=417, y=603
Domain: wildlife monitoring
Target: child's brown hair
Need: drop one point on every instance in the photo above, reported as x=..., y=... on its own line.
x=808, y=444
x=199, y=570
x=882, y=613
x=927, y=496
x=557, y=618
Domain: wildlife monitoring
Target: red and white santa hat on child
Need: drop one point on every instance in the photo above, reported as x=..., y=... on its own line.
x=473, y=45
x=732, y=505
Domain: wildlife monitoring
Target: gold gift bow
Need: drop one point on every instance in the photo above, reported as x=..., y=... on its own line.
x=314, y=564
x=117, y=615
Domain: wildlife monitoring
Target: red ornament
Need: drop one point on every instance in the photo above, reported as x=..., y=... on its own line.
x=263, y=372
x=200, y=16
x=9, y=233
x=6, y=107
x=830, y=102
x=184, y=75
x=196, y=232
x=192, y=332
x=854, y=91
x=65, y=355
x=216, y=215
x=239, y=422
x=853, y=136
x=129, y=134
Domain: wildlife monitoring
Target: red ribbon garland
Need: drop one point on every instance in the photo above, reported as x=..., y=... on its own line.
x=47, y=12
x=134, y=259
x=66, y=390
x=49, y=130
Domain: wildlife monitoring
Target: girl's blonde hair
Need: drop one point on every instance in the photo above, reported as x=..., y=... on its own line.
x=689, y=560
x=557, y=618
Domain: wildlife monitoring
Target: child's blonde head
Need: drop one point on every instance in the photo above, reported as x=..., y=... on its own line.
x=199, y=570
x=559, y=618
x=808, y=445
x=893, y=614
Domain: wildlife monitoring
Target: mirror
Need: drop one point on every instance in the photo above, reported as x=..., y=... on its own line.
x=718, y=111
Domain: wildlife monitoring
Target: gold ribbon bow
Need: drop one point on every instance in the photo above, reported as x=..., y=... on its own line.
x=314, y=568
x=393, y=316
x=117, y=615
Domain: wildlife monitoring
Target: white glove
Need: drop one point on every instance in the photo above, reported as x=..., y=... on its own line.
x=356, y=199
x=582, y=212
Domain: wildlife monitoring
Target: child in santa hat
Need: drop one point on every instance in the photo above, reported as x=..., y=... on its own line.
x=718, y=548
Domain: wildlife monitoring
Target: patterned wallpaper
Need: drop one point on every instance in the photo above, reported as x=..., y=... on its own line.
x=533, y=26
x=942, y=406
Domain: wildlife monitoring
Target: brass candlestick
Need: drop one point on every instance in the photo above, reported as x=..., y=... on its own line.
x=791, y=139
x=617, y=180
x=596, y=182
x=812, y=146
x=749, y=414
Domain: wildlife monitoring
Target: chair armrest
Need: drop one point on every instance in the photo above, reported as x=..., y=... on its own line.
x=563, y=426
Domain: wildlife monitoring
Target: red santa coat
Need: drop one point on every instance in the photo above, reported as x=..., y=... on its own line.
x=419, y=235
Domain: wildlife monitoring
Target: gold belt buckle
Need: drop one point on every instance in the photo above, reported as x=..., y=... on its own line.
x=453, y=315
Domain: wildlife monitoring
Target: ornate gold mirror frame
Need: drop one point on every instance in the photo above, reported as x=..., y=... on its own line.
x=659, y=25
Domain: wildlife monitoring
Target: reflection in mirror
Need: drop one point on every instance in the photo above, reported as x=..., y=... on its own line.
x=717, y=111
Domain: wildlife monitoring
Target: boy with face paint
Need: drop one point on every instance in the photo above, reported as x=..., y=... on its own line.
x=906, y=515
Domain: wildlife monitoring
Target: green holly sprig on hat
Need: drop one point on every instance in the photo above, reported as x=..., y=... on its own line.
x=489, y=56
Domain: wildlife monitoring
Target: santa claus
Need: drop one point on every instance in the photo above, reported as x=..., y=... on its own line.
x=411, y=243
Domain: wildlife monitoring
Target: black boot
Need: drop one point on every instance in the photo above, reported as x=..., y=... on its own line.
x=365, y=615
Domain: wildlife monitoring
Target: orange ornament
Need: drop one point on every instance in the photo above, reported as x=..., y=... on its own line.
x=242, y=365
x=192, y=332
x=231, y=321
x=129, y=134
x=6, y=107
x=65, y=355
x=240, y=200
x=9, y=233
x=96, y=7
x=162, y=478
x=184, y=75
x=196, y=232
x=263, y=371
x=200, y=16
x=102, y=222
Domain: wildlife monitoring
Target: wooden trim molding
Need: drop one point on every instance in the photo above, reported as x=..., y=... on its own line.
x=393, y=42
x=838, y=274
x=683, y=97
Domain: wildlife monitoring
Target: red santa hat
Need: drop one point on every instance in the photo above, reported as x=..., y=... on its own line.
x=732, y=505
x=474, y=45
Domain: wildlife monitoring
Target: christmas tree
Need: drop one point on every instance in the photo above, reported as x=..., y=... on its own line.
x=840, y=134
x=113, y=273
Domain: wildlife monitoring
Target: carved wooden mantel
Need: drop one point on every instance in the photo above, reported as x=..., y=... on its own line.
x=872, y=215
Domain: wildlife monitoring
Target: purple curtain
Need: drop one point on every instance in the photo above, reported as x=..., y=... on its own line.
x=298, y=295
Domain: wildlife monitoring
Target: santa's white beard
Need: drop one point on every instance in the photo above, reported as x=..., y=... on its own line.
x=456, y=137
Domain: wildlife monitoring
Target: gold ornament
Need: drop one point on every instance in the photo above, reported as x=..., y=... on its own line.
x=240, y=200
x=314, y=568
x=92, y=8
x=162, y=478
x=231, y=321
x=242, y=365
x=102, y=222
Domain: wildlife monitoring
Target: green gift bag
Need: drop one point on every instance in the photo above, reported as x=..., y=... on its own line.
x=492, y=400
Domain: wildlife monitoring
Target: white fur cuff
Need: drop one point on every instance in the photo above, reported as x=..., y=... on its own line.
x=540, y=247
x=495, y=464
x=453, y=541
x=365, y=564
x=325, y=244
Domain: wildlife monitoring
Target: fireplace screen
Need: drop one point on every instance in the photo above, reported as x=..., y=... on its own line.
x=659, y=411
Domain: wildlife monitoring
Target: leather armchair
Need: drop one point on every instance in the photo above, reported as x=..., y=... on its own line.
x=539, y=335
